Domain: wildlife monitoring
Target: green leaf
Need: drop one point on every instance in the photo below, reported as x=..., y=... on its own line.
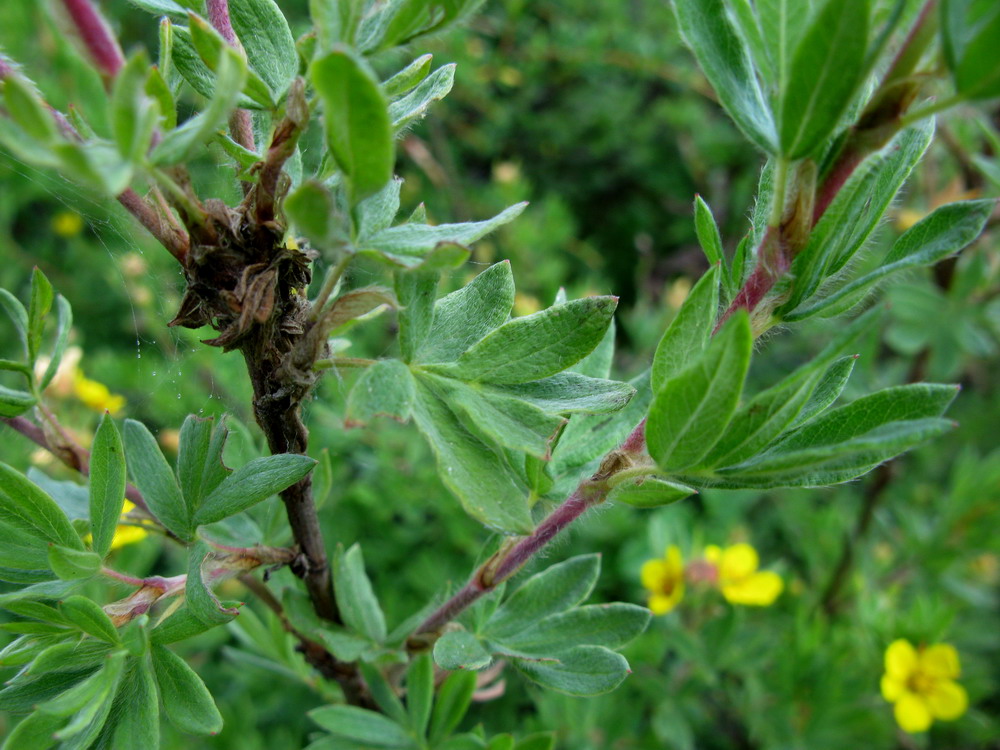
x=89, y=692
x=827, y=390
x=358, y=130
x=181, y=143
x=23, y=695
x=416, y=291
x=356, y=599
x=69, y=656
x=405, y=111
x=689, y=331
x=569, y=392
x=420, y=692
x=73, y=564
x=825, y=72
x=26, y=108
x=14, y=403
x=24, y=506
x=186, y=700
x=582, y=670
x=210, y=46
x=152, y=475
x=107, y=484
x=468, y=314
x=383, y=693
x=782, y=25
x=855, y=212
x=608, y=625
x=17, y=314
x=137, y=724
x=554, y=590
x=453, y=701
x=476, y=472
x=708, y=232
x=88, y=616
x=37, y=611
x=598, y=363
x=406, y=79
x=162, y=7
x=691, y=410
x=251, y=483
x=41, y=302
x=538, y=741
x=64, y=324
x=722, y=55
x=971, y=34
x=508, y=421
x=409, y=244
x=460, y=649
x=36, y=732
x=201, y=600
x=133, y=115
x=361, y=725
x=336, y=20
x=535, y=346
x=180, y=626
x=384, y=389
x=649, y=492
x=944, y=232
x=377, y=211
x=200, y=469
x=270, y=47
x=311, y=207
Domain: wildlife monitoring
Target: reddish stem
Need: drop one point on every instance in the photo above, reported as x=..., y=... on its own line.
x=240, y=123
x=97, y=37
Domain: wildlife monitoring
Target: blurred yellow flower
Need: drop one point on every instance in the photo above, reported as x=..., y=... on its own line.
x=664, y=579
x=738, y=577
x=922, y=684
x=96, y=395
x=67, y=224
x=124, y=533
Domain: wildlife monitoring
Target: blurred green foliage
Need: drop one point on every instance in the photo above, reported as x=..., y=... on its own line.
x=595, y=113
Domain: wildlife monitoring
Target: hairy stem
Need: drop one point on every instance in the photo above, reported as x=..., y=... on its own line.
x=240, y=124
x=97, y=38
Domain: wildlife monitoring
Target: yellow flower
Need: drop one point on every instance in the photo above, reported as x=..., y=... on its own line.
x=96, y=395
x=922, y=684
x=664, y=578
x=739, y=579
x=67, y=224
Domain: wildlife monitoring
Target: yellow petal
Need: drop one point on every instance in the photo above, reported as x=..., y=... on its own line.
x=912, y=713
x=941, y=661
x=759, y=590
x=713, y=553
x=892, y=688
x=947, y=700
x=738, y=561
x=900, y=659
x=653, y=574
x=675, y=563
x=127, y=535
x=660, y=604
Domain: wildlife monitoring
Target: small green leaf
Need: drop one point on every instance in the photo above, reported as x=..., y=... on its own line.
x=452, y=702
x=554, y=590
x=406, y=79
x=356, y=599
x=202, y=601
x=26, y=507
x=14, y=403
x=649, y=492
x=825, y=72
x=470, y=313
x=358, y=130
x=709, y=32
x=152, y=475
x=535, y=346
x=383, y=693
x=384, y=389
x=691, y=410
x=42, y=297
x=137, y=725
x=133, y=115
x=689, y=331
x=270, y=47
x=460, y=649
x=35, y=732
x=409, y=244
x=311, y=207
x=200, y=469
x=88, y=616
x=582, y=670
x=180, y=626
x=252, y=483
x=72, y=564
x=17, y=314
x=69, y=656
x=361, y=725
x=971, y=34
x=210, y=46
x=569, y=392
x=420, y=692
x=26, y=108
x=186, y=700
x=376, y=212
x=107, y=484
x=827, y=390
x=416, y=291
x=405, y=111
x=64, y=323
x=608, y=625
x=708, y=232
x=538, y=741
